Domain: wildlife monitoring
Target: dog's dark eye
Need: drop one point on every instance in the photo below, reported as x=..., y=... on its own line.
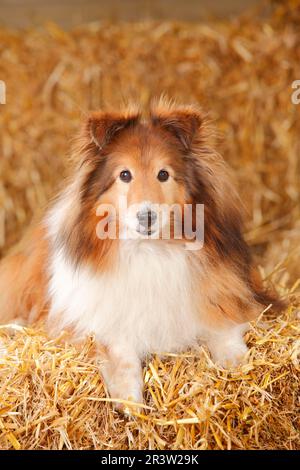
x=125, y=176
x=163, y=175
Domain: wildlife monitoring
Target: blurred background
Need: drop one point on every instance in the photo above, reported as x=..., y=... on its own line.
x=236, y=59
x=68, y=13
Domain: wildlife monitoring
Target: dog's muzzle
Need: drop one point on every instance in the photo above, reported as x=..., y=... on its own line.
x=146, y=219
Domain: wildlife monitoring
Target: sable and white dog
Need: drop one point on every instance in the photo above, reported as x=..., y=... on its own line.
x=140, y=294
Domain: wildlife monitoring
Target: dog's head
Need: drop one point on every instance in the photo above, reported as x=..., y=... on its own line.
x=138, y=170
x=142, y=177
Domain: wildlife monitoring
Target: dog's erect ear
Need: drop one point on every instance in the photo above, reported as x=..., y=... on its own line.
x=101, y=127
x=183, y=122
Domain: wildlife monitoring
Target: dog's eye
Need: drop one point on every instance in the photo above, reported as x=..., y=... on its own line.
x=125, y=176
x=163, y=175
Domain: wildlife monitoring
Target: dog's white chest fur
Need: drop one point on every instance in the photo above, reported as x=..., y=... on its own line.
x=145, y=301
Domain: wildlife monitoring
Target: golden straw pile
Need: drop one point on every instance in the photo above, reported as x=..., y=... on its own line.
x=51, y=395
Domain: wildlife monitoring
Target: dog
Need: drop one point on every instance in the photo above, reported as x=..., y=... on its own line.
x=138, y=292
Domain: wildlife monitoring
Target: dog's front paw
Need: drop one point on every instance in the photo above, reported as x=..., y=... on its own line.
x=122, y=374
x=231, y=356
x=127, y=399
x=228, y=352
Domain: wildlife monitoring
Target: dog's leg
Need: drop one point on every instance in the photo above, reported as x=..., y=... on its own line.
x=227, y=346
x=122, y=373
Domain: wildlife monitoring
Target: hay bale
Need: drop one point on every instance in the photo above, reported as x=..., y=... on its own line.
x=51, y=395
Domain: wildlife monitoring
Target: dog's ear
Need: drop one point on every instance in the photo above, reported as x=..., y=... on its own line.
x=183, y=122
x=102, y=127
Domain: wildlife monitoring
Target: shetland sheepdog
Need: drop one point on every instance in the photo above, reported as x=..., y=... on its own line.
x=138, y=292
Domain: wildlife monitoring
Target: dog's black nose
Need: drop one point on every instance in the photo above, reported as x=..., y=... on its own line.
x=146, y=218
